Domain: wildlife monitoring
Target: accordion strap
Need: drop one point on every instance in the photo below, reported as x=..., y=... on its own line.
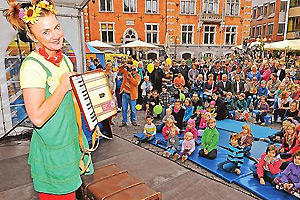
x=95, y=139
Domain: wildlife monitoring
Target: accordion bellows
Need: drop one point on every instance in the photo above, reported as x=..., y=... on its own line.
x=94, y=97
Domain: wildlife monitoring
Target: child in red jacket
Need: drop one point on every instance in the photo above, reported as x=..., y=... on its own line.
x=268, y=166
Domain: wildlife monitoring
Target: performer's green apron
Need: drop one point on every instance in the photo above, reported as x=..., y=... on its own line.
x=54, y=151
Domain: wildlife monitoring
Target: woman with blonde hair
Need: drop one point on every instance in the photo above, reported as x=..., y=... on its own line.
x=54, y=154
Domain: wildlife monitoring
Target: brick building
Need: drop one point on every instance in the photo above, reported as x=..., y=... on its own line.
x=185, y=28
x=268, y=20
x=293, y=30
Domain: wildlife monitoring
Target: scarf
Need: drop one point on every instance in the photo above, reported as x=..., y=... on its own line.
x=54, y=60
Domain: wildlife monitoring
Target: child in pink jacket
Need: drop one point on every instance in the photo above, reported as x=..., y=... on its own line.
x=191, y=127
x=268, y=167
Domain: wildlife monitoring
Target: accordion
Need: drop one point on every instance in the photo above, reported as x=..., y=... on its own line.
x=94, y=97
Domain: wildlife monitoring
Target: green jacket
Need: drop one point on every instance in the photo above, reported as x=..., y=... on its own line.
x=210, y=139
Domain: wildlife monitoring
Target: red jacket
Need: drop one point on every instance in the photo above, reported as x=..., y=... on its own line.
x=273, y=167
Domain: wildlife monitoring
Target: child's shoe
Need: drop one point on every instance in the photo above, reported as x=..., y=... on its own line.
x=175, y=157
x=263, y=124
x=165, y=154
x=183, y=158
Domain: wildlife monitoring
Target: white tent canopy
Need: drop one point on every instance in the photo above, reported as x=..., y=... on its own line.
x=138, y=44
x=99, y=44
x=70, y=16
x=285, y=44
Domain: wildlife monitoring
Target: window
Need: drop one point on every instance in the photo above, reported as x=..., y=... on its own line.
x=253, y=32
x=294, y=24
x=230, y=35
x=232, y=7
x=211, y=6
x=266, y=10
x=152, y=31
x=151, y=6
x=129, y=5
x=107, y=32
x=283, y=6
x=254, y=13
x=281, y=27
x=258, y=31
x=187, y=34
x=260, y=11
x=209, y=34
x=264, y=30
x=295, y=3
x=130, y=35
x=188, y=7
x=270, y=29
x=106, y=5
x=272, y=9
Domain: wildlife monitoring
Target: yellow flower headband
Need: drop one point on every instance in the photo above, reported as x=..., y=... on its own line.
x=32, y=13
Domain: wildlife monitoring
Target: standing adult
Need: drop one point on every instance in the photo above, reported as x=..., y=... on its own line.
x=193, y=74
x=141, y=72
x=184, y=70
x=129, y=90
x=280, y=72
x=54, y=153
x=156, y=77
x=237, y=86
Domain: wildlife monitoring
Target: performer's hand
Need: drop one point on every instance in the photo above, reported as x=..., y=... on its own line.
x=65, y=80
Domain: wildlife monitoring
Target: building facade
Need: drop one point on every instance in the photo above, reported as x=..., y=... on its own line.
x=293, y=28
x=181, y=28
x=268, y=20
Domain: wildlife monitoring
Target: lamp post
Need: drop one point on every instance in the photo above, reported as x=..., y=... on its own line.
x=176, y=39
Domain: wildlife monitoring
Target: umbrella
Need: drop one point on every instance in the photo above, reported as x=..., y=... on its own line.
x=99, y=44
x=139, y=45
x=285, y=44
x=90, y=49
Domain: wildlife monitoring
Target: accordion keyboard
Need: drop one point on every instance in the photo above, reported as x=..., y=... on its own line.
x=85, y=101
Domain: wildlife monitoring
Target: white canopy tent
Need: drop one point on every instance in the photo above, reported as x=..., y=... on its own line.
x=285, y=45
x=99, y=44
x=139, y=45
x=70, y=16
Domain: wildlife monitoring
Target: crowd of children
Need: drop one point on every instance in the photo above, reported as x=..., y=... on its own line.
x=194, y=96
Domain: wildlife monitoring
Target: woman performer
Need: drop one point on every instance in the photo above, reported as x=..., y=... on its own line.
x=54, y=154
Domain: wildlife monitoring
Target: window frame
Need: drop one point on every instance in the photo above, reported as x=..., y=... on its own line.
x=269, y=25
x=187, y=31
x=283, y=30
x=151, y=13
x=215, y=34
x=258, y=28
x=113, y=30
x=151, y=31
x=123, y=5
x=195, y=7
x=215, y=2
x=233, y=2
x=236, y=34
x=112, y=7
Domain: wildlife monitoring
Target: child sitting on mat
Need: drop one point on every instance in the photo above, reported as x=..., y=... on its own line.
x=149, y=131
x=189, y=109
x=289, y=138
x=178, y=113
x=246, y=138
x=229, y=101
x=188, y=147
x=168, y=115
x=212, y=108
x=241, y=108
x=173, y=142
x=166, y=131
x=191, y=127
x=235, y=158
x=290, y=177
x=268, y=166
x=210, y=140
x=278, y=136
x=203, y=123
x=263, y=108
x=287, y=157
x=197, y=116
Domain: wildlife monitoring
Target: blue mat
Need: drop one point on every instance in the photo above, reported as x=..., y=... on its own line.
x=236, y=126
x=224, y=138
x=266, y=192
x=212, y=165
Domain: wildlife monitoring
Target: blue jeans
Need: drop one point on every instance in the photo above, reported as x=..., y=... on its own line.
x=125, y=101
x=160, y=127
x=267, y=175
x=227, y=166
x=247, y=149
x=171, y=151
x=249, y=100
x=144, y=138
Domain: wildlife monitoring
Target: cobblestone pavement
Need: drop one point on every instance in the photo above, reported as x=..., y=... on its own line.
x=127, y=133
